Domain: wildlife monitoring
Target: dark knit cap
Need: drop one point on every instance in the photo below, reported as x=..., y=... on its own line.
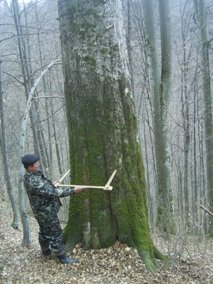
x=29, y=159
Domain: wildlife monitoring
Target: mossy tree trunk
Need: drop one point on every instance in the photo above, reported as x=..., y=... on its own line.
x=102, y=130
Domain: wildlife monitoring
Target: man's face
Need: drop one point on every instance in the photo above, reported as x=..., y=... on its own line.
x=34, y=168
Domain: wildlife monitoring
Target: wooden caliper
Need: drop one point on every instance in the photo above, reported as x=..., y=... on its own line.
x=107, y=186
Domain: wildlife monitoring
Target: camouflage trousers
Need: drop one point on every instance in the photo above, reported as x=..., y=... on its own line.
x=50, y=235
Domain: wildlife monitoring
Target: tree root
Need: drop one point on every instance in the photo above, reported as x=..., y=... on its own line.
x=159, y=255
x=148, y=261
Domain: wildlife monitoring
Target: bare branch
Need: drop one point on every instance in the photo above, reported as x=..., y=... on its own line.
x=210, y=40
x=7, y=38
x=205, y=209
x=15, y=78
x=48, y=97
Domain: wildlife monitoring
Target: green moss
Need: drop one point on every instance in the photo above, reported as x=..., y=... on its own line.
x=145, y=255
x=105, y=50
x=90, y=60
x=122, y=213
x=159, y=255
x=103, y=137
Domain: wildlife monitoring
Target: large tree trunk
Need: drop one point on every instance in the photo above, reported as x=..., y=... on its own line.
x=102, y=130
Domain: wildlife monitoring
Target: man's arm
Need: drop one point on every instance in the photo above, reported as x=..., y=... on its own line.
x=42, y=186
x=68, y=191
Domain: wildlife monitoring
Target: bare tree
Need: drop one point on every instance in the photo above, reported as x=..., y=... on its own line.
x=200, y=7
x=160, y=90
x=5, y=157
x=26, y=232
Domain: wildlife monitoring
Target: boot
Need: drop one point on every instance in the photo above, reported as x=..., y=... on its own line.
x=46, y=252
x=67, y=260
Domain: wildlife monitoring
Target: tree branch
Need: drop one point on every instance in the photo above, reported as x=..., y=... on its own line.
x=210, y=40
x=48, y=97
x=205, y=209
x=16, y=79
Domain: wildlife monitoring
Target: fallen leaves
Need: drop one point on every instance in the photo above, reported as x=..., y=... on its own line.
x=117, y=264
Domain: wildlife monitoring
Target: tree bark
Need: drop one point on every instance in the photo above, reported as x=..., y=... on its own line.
x=48, y=150
x=26, y=65
x=200, y=7
x=5, y=157
x=185, y=119
x=102, y=130
x=160, y=89
x=129, y=43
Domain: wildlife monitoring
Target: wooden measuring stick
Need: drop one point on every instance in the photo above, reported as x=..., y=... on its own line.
x=85, y=186
x=63, y=177
x=58, y=182
x=110, y=179
x=106, y=187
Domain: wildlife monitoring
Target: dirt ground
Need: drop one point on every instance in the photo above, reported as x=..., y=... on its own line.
x=192, y=261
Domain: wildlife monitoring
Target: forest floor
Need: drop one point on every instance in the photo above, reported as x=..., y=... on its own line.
x=192, y=261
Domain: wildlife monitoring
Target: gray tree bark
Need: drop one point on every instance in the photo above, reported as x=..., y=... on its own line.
x=160, y=89
x=200, y=7
x=102, y=129
x=129, y=43
x=185, y=119
x=48, y=152
x=24, y=54
x=5, y=158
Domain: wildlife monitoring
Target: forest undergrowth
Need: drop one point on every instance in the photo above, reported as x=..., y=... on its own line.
x=192, y=261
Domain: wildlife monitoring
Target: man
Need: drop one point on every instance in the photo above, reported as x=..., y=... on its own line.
x=44, y=200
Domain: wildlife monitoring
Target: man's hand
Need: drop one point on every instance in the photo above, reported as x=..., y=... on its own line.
x=57, y=183
x=79, y=189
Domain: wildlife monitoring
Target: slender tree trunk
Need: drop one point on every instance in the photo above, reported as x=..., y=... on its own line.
x=102, y=130
x=57, y=149
x=200, y=6
x=24, y=53
x=26, y=234
x=164, y=194
x=194, y=161
x=160, y=88
x=185, y=122
x=48, y=152
x=202, y=171
x=150, y=198
x=25, y=72
x=5, y=157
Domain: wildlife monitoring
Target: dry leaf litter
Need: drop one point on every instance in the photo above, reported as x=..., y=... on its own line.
x=192, y=262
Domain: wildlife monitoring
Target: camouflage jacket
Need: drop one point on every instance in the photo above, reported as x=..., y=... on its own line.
x=43, y=195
